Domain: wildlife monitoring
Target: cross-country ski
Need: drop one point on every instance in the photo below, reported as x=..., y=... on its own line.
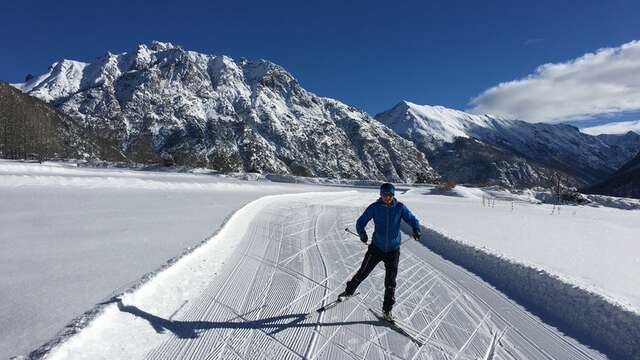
x=399, y=327
x=330, y=305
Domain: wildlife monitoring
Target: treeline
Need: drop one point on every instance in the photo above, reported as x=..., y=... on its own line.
x=28, y=128
x=31, y=129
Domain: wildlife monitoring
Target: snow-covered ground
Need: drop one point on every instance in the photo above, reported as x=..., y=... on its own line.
x=244, y=295
x=575, y=265
x=597, y=248
x=70, y=237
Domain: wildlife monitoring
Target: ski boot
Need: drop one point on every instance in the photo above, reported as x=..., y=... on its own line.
x=344, y=295
x=388, y=316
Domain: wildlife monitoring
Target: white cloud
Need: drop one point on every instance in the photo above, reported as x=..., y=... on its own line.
x=621, y=127
x=604, y=82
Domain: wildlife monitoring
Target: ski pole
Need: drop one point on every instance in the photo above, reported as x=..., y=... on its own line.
x=351, y=232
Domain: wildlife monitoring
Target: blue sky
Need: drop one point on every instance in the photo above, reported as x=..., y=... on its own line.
x=367, y=54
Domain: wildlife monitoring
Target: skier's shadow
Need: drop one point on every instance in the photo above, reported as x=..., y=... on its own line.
x=191, y=329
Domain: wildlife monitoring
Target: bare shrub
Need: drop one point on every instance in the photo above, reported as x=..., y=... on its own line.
x=450, y=184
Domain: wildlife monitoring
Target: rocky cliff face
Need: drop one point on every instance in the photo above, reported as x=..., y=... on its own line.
x=163, y=103
x=482, y=149
x=625, y=182
x=471, y=161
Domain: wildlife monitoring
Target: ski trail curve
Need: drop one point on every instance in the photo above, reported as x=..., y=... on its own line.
x=244, y=296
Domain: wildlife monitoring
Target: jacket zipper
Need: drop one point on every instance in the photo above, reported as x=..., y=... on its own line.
x=386, y=243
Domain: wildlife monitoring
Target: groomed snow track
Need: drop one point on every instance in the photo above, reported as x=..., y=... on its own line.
x=291, y=255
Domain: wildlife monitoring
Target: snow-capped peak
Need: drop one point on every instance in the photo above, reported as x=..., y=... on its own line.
x=160, y=46
x=63, y=77
x=558, y=146
x=161, y=101
x=438, y=123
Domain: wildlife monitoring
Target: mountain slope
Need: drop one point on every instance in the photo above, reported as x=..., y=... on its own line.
x=30, y=128
x=161, y=102
x=543, y=150
x=470, y=161
x=624, y=183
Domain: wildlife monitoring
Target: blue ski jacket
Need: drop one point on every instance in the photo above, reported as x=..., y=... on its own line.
x=386, y=218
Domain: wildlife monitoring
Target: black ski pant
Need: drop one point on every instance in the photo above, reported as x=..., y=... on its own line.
x=371, y=259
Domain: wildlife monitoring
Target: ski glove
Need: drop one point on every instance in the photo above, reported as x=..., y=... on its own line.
x=363, y=237
x=416, y=234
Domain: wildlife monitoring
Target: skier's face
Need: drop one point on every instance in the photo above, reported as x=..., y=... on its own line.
x=387, y=197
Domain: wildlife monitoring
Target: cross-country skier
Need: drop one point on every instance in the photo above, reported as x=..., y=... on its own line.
x=386, y=213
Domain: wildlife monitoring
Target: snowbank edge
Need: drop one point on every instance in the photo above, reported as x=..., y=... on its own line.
x=580, y=313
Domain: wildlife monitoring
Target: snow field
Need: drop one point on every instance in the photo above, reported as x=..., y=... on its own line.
x=291, y=255
x=557, y=264
x=21, y=174
x=584, y=313
x=171, y=289
x=72, y=237
x=107, y=182
x=62, y=202
x=594, y=248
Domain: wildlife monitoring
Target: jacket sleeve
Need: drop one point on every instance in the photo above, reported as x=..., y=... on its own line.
x=364, y=219
x=409, y=218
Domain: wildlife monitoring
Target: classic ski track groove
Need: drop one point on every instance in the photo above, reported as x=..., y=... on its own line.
x=577, y=352
x=314, y=336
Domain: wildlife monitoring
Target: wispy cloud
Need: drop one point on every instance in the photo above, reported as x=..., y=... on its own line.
x=621, y=127
x=604, y=82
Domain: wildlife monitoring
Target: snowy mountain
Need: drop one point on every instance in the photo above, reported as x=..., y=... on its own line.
x=163, y=103
x=625, y=182
x=508, y=152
